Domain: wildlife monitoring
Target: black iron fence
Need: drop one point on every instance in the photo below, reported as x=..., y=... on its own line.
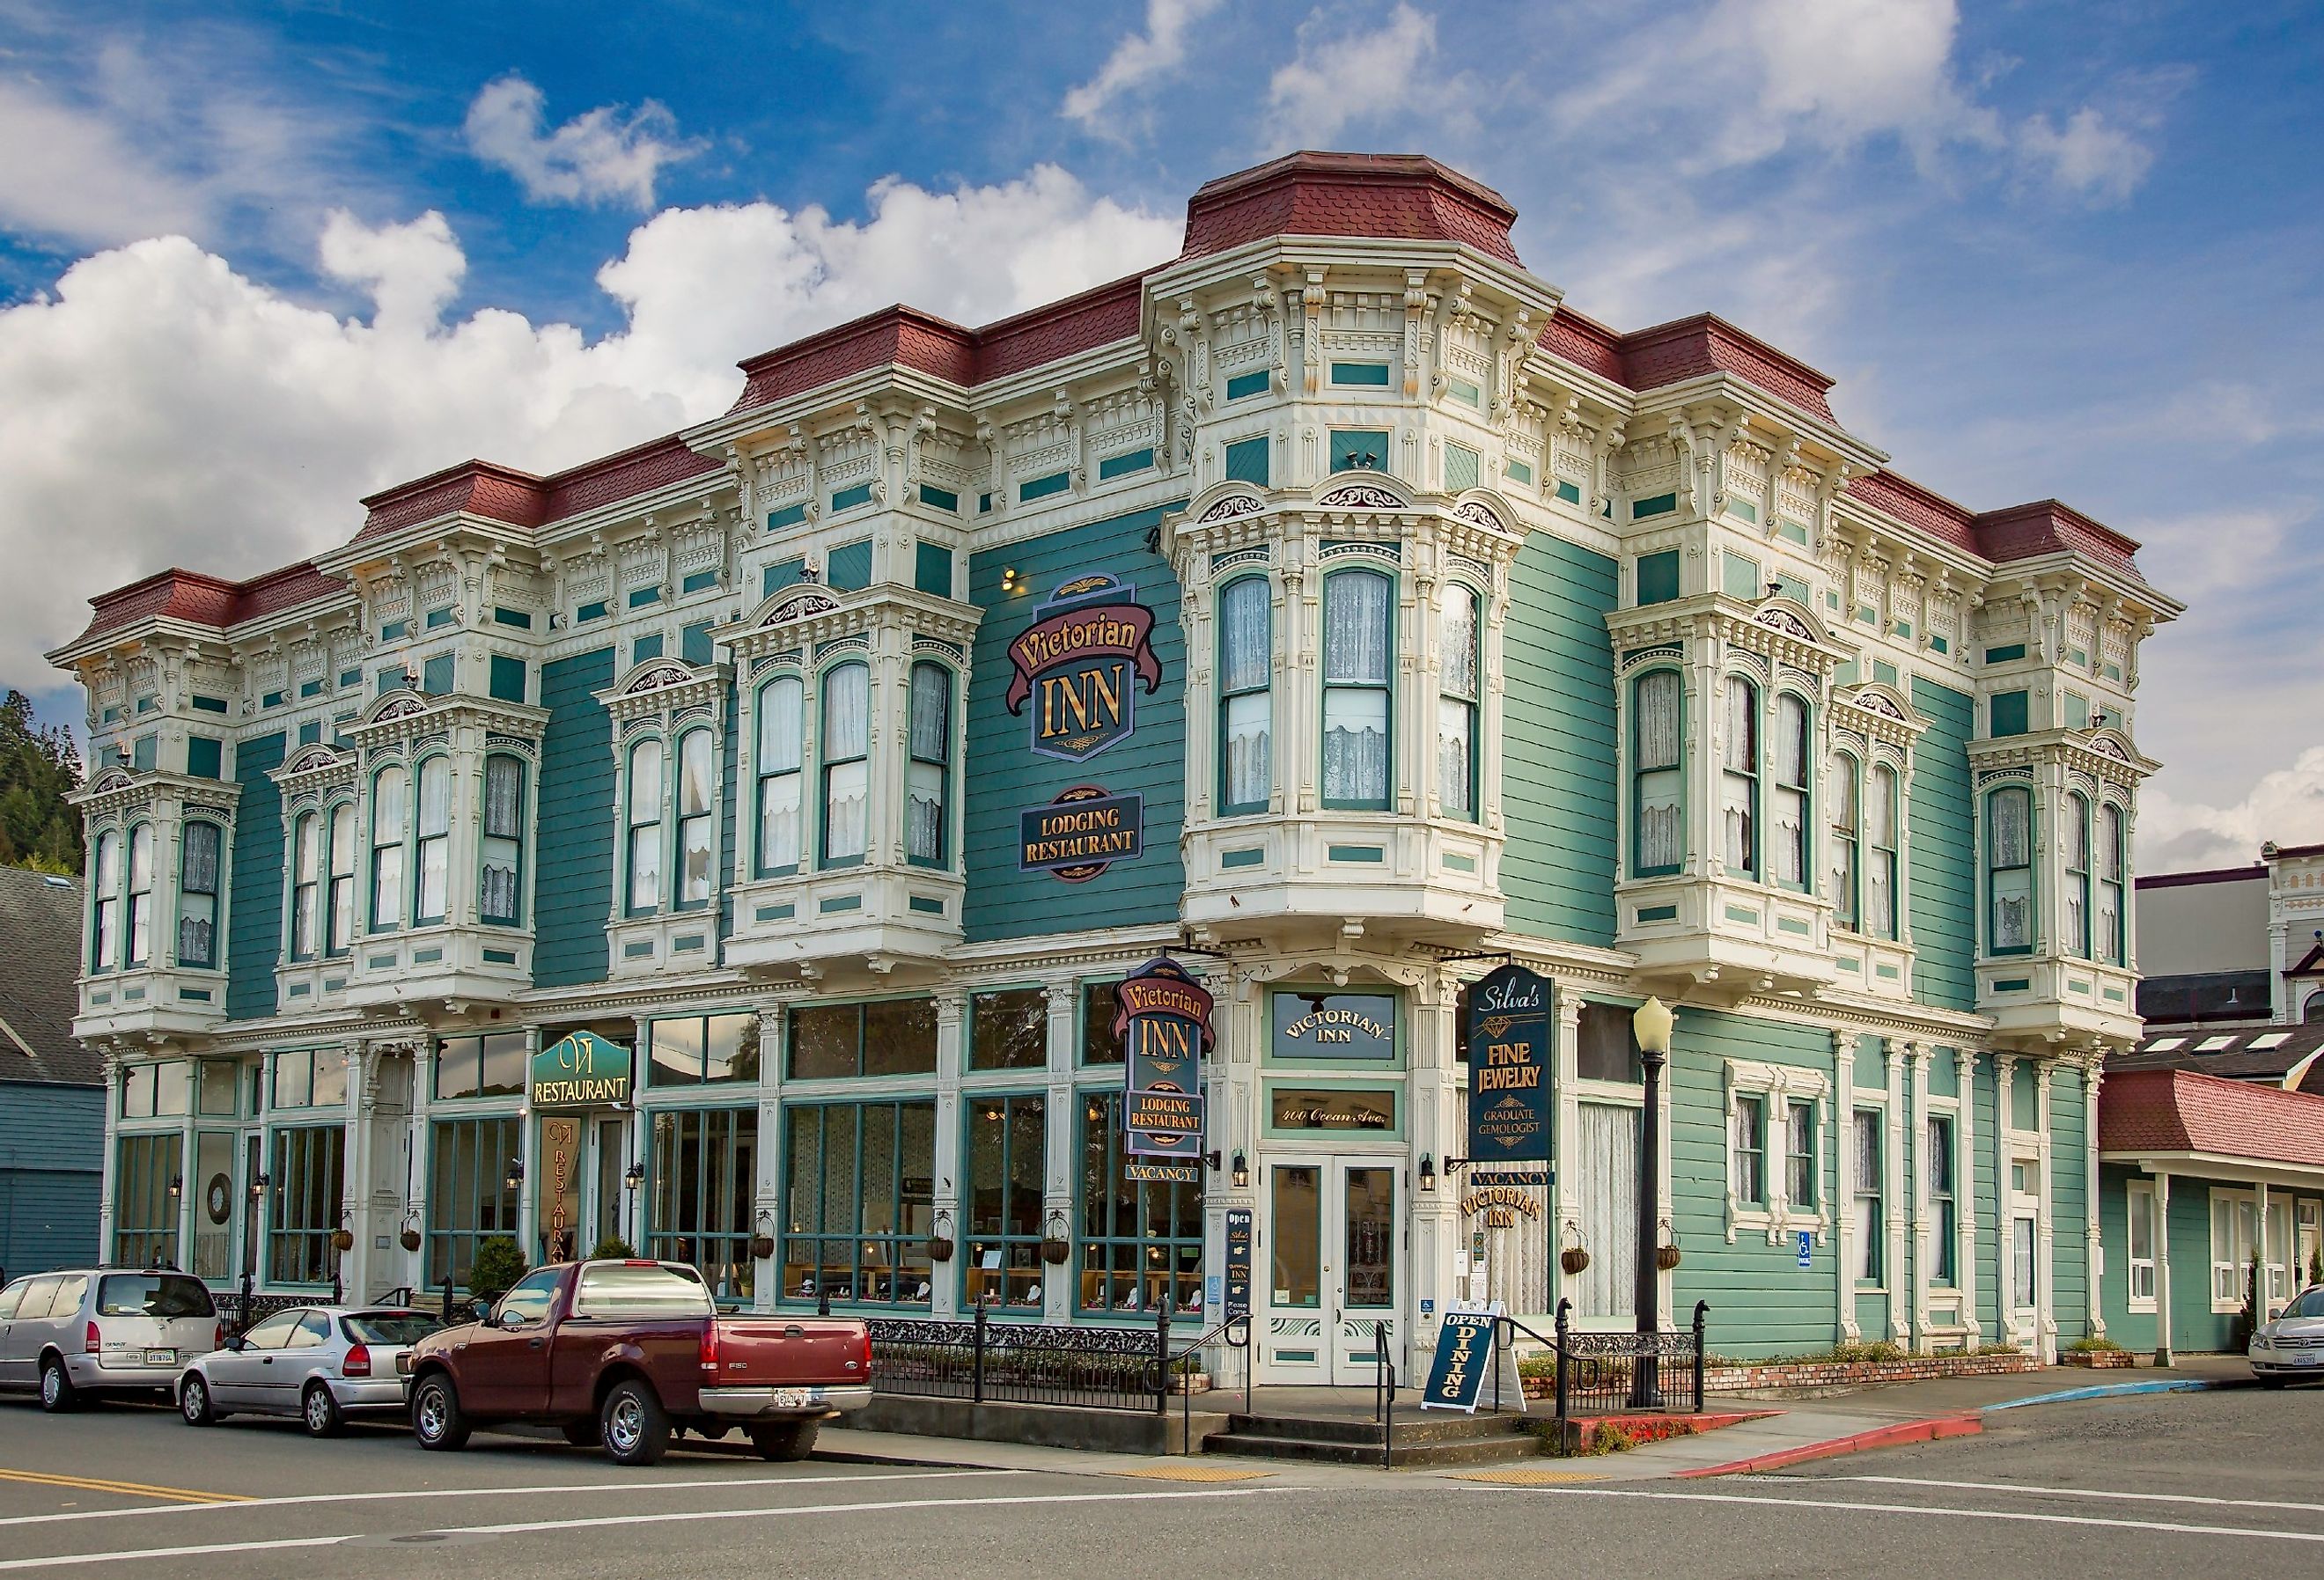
x=1615, y=1373
x=1097, y=1368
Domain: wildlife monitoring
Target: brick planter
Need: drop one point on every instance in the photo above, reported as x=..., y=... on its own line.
x=2098, y=1360
x=1775, y=1375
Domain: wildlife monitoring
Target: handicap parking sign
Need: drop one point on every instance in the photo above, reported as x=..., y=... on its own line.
x=1807, y=1248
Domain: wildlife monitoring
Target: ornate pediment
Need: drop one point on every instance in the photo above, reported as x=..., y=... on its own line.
x=1360, y=497
x=654, y=675
x=803, y=605
x=1231, y=506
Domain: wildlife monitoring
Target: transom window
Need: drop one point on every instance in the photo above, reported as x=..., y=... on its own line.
x=696, y=1050
x=891, y=1037
x=1359, y=643
x=1008, y=1031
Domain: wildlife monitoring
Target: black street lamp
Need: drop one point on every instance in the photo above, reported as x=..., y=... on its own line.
x=1652, y=1026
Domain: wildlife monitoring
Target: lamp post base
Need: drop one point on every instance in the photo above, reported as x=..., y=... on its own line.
x=1645, y=1383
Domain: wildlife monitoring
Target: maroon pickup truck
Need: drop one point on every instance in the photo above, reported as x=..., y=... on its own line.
x=625, y=1353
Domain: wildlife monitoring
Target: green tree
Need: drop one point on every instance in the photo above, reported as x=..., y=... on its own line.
x=39, y=767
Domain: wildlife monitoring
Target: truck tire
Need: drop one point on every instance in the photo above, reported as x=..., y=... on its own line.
x=636, y=1426
x=784, y=1440
x=436, y=1416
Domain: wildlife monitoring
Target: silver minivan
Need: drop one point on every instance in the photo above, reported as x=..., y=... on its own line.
x=102, y=1330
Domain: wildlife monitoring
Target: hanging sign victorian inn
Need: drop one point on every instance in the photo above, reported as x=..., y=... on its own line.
x=1509, y=1050
x=1079, y=663
x=1165, y=1027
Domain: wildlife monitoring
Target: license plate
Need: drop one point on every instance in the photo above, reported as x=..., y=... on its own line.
x=2303, y=1359
x=160, y=1357
x=792, y=1399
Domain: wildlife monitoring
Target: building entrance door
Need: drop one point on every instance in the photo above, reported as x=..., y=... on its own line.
x=1333, y=1250
x=607, y=1214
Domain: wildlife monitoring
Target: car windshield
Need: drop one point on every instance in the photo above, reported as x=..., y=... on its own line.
x=162, y=1295
x=2311, y=1304
x=389, y=1328
x=640, y=1289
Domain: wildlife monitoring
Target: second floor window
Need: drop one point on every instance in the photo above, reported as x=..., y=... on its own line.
x=2009, y=871
x=1738, y=778
x=502, y=852
x=929, y=770
x=1842, y=791
x=389, y=792
x=140, y=894
x=1789, y=809
x=306, y=883
x=198, y=895
x=1359, y=640
x=1456, y=706
x=434, y=827
x=643, y=860
x=104, y=919
x=846, y=737
x=339, y=932
x=696, y=839
x=1658, y=785
x=1246, y=665
x=782, y=724
x=2114, y=943
x=2075, y=835
x=1880, y=875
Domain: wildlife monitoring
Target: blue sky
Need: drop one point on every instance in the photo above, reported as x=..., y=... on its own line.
x=258, y=260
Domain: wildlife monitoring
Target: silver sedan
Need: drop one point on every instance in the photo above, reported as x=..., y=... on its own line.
x=321, y=1363
x=2292, y=1345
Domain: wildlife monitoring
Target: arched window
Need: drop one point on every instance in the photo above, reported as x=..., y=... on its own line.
x=1456, y=709
x=1843, y=793
x=1359, y=648
x=1659, y=789
x=643, y=858
x=927, y=775
x=697, y=777
x=340, y=935
x=1738, y=778
x=198, y=895
x=2313, y=1015
x=2074, y=834
x=389, y=798
x=1246, y=670
x=435, y=825
x=306, y=881
x=104, y=885
x=847, y=738
x=500, y=857
x=2009, y=871
x=140, y=894
x=2114, y=883
x=782, y=726
x=1789, y=808
x=1880, y=868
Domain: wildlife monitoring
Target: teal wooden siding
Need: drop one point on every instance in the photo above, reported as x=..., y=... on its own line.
x=2069, y=1204
x=2194, y=1325
x=1943, y=867
x=51, y=1163
x=254, y=926
x=1009, y=778
x=1558, y=758
x=1872, y=1318
x=1762, y=1301
x=574, y=845
x=2131, y=1330
x=1980, y=1173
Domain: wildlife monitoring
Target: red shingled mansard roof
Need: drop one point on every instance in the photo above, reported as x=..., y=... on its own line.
x=1395, y=197
x=2180, y=1111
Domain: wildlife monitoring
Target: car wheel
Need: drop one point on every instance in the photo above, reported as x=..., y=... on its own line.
x=582, y=1434
x=636, y=1428
x=787, y=1440
x=435, y=1417
x=194, y=1402
x=58, y=1394
x=320, y=1412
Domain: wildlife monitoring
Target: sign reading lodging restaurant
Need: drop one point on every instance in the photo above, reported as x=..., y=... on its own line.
x=1101, y=811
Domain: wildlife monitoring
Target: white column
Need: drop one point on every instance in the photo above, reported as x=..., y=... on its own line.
x=2266, y=1262
x=2046, y=1322
x=1965, y=1223
x=767, y=1197
x=2093, y=1077
x=1058, y=1293
x=1433, y=1087
x=2004, y=1120
x=1564, y=1200
x=1916, y=1065
x=355, y=1169
x=950, y=1216
x=1901, y=1272
x=2163, y=1348
x=1842, y=1130
x=415, y=1206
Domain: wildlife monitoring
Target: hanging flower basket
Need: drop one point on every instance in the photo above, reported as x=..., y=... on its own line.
x=1055, y=1251
x=411, y=1239
x=343, y=1239
x=763, y=1246
x=1574, y=1259
x=940, y=1249
x=1666, y=1257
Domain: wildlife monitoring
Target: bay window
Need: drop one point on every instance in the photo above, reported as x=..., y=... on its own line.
x=197, y=894
x=306, y=880
x=782, y=723
x=846, y=742
x=2113, y=939
x=1456, y=707
x=642, y=861
x=388, y=795
x=1843, y=794
x=1789, y=859
x=1738, y=778
x=2009, y=871
x=696, y=797
x=105, y=919
x=140, y=894
x=501, y=856
x=1358, y=640
x=1880, y=872
x=928, y=771
x=1658, y=790
x=339, y=937
x=1246, y=670
x=2074, y=833
x=435, y=840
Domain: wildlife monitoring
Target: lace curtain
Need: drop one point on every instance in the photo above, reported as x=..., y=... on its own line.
x=1791, y=808
x=1456, y=726
x=782, y=724
x=847, y=740
x=1457, y=667
x=1880, y=822
x=1840, y=798
x=1355, y=629
x=1244, y=642
x=1661, y=832
x=2010, y=812
x=503, y=809
x=924, y=776
x=1867, y=1181
x=197, y=903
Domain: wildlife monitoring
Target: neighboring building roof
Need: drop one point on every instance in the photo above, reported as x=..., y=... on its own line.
x=2241, y=1053
x=2179, y=1111
x=40, y=938
x=2251, y=874
x=2207, y=995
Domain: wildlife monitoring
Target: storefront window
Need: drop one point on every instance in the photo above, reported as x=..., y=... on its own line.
x=306, y=1173
x=895, y=1037
x=1140, y=1243
x=705, y=1049
x=153, y=1091
x=491, y=1065
x=706, y=1171
x=858, y=1202
x=1606, y=1050
x=1008, y=1031
x=1006, y=1159
x=309, y=1077
x=469, y=1199
x=221, y=1086
x=1100, y=1043
x=144, y=1213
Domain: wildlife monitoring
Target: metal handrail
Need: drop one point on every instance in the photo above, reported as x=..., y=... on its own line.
x=1384, y=1394
x=1226, y=1331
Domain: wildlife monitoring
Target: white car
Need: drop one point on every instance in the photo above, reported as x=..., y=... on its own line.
x=321, y=1363
x=2292, y=1345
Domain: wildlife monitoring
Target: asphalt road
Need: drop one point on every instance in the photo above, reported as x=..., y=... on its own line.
x=2229, y=1482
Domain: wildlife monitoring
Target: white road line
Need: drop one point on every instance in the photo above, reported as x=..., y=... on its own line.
x=640, y=1486
x=2010, y=1516
x=62, y=1560
x=2034, y=1491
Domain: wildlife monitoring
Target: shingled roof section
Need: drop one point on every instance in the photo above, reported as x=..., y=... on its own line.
x=480, y=488
x=40, y=936
x=1096, y=316
x=1393, y=196
x=1585, y=342
x=2024, y=532
x=639, y=469
x=1686, y=348
x=903, y=335
x=1917, y=506
x=207, y=600
x=2179, y=1111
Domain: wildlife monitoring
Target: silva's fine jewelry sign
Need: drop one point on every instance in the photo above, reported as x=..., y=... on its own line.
x=1164, y=1026
x=1509, y=1053
x=1237, y=1285
x=1339, y=1108
x=581, y=1071
x=1080, y=664
x=1081, y=833
x=1334, y=1025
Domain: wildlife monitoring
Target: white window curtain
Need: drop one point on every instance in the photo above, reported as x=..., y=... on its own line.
x=306, y=878
x=1870, y=1230
x=502, y=838
x=2112, y=946
x=1356, y=640
x=1456, y=707
x=1789, y=859
x=140, y=894
x=1746, y=1156
x=389, y=796
x=1739, y=776
x=1246, y=663
x=1608, y=1184
x=104, y=883
x=1880, y=873
x=2075, y=834
x=846, y=773
x=782, y=724
x=1661, y=796
x=1937, y=1171
x=2010, y=868
x=198, y=891
x=434, y=839
x=696, y=797
x=1841, y=792
x=341, y=934
x=926, y=775
x=643, y=794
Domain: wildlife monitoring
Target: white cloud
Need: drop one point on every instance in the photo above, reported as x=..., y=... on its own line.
x=1137, y=59
x=1340, y=78
x=2090, y=157
x=596, y=157
x=166, y=409
x=2286, y=806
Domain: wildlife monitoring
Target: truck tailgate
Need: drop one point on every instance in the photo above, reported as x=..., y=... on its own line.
x=786, y=1352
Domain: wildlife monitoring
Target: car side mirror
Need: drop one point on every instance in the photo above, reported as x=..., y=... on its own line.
x=513, y=1319
x=234, y=1343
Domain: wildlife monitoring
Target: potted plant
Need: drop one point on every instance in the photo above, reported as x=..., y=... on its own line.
x=763, y=1246
x=409, y=1238
x=343, y=1239
x=1575, y=1257
x=498, y=1265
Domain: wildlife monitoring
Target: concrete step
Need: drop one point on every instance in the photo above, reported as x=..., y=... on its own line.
x=1410, y=1427
x=1404, y=1455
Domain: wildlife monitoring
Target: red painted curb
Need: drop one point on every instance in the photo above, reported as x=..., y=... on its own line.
x=1888, y=1436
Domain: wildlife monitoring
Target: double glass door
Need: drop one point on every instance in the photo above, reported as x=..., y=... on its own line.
x=1334, y=1252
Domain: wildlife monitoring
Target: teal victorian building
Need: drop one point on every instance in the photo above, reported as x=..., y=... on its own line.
x=1331, y=605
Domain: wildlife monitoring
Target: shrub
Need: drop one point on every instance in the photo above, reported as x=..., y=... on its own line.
x=612, y=1246
x=498, y=1265
x=2094, y=1345
x=1611, y=1437
x=1871, y=1349
x=2004, y=1349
